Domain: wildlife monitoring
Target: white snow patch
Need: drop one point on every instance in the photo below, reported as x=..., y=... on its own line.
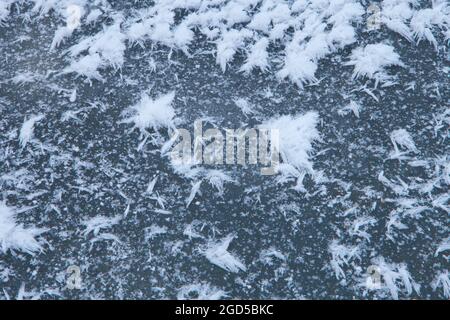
x=5, y=7
x=297, y=135
x=442, y=280
x=395, y=278
x=27, y=129
x=87, y=66
x=341, y=256
x=217, y=178
x=153, y=231
x=98, y=223
x=423, y=21
x=15, y=237
x=444, y=246
x=227, y=46
x=395, y=14
x=360, y=225
x=351, y=107
x=257, y=57
x=372, y=60
x=217, y=254
x=151, y=113
x=402, y=138
x=246, y=107
x=194, y=191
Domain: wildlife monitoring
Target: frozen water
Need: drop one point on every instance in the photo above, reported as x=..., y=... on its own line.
x=90, y=92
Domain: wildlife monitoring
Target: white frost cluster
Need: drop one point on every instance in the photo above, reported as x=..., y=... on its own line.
x=341, y=256
x=396, y=14
x=217, y=254
x=423, y=21
x=95, y=224
x=87, y=67
x=245, y=106
x=296, y=137
x=104, y=49
x=401, y=138
x=312, y=41
x=258, y=57
x=372, y=60
x=151, y=113
x=217, y=178
x=27, y=129
x=360, y=225
x=395, y=278
x=73, y=17
x=351, y=107
x=442, y=280
x=16, y=237
x=5, y=6
x=250, y=27
x=443, y=246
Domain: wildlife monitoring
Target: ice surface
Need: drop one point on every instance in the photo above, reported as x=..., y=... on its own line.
x=91, y=93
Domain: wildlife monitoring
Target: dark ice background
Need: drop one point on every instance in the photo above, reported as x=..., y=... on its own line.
x=99, y=154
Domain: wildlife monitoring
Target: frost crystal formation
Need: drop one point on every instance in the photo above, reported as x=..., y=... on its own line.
x=93, y=94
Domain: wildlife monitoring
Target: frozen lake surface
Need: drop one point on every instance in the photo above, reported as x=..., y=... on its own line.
x=363, y=190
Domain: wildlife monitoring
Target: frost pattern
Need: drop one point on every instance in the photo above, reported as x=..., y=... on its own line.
x=217, y=254
x=393, y=193
x=14, y=236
